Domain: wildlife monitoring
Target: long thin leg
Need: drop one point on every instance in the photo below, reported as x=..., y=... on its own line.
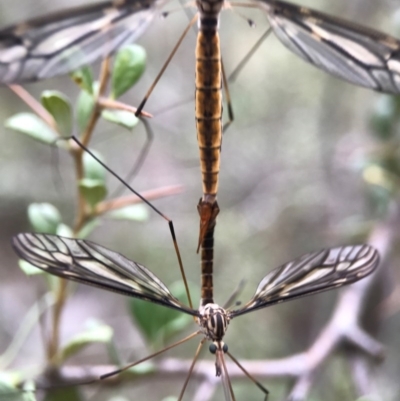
x=196, y=355
x=256, y=382
x=170, y=222
x=115, y=372
x=140, y=160
x=228, y=99
x=226, y=382
x=247, y=57
x=143, y=102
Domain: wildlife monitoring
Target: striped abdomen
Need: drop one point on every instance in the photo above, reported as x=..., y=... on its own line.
x=209, y=108
x=208, y=114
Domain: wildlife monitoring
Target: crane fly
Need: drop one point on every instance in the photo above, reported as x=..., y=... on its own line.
x=59, y=43
x=89, y=263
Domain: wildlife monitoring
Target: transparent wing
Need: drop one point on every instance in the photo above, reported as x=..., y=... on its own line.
x=62, y=42
x=90, y=263
x=312, y=273
x=349, y=51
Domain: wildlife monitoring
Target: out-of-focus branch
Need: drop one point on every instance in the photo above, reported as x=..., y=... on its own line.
x=117, y=203
x=36, y=106
x=105, y=103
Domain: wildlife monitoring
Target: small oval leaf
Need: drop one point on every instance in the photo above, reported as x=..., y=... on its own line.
x=30, y=124
x=95, y=332
x=44, y=217
x=88, y=228
x=382, y=118
x=84, y=108
x=93, y=190
x=10, y=391
x=93, y=169
x=123, y=118
x=129, y=64
x=164, y=322
x=84, y=78
x=29, y=269
x=65, y=231
x=133, y=212
x=59, y=106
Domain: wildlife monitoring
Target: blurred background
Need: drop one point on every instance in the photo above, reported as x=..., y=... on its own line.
x=291, y=182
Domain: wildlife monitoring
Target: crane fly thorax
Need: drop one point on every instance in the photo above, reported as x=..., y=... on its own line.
x=213, y=321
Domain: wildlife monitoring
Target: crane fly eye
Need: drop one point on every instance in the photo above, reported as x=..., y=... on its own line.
x=225, y=348
x=212, y=348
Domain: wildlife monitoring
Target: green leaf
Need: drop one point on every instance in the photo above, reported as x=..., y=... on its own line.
x=84, y=78
x=29, y=269
x=95, y=332
x=9, y=390
x=88, y=228
x=158, y=323
x=65, y=231
x=123, y=118
x=382, y=118
x=64, y=394
x=44, y=217
x=30, y=124
x=130, y=62
x=93, y=169
x=133, y=212
x=59, y=106
x=84, y=108
x=94, y=191
x=374, y=174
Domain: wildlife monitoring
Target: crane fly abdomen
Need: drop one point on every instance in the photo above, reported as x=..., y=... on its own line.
x=207, y=261
x=209, y=107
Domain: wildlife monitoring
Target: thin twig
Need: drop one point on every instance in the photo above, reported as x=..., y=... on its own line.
x=36, y=107
x=118, y=203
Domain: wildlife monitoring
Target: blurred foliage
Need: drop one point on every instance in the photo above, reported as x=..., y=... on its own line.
x=160, y=324
x=291, y=181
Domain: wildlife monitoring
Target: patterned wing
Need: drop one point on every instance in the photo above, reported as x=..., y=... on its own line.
x=89, y=263
x=312, y=273
x=349, y=51
x=60, y=43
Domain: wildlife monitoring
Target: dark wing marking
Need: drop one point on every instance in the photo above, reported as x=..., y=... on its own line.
x=60, y=43
x=360, y=55
x=90, y=263
x=312, y=273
